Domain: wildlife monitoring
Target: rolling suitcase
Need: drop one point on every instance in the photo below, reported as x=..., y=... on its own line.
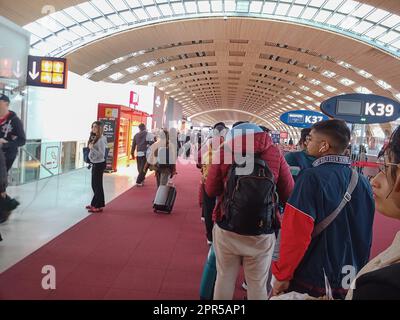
x=165, y=199
x=209, y=276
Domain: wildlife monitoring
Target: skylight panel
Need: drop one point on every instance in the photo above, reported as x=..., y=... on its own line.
x=362, y=11
x=322, y=15
x=365, y=74
x=115, y=19
x=309, y=13
x=128, y=16
x=70, y=36
x=348, y=22
x=375, y=32
x=204, y=6
x=391, y=21
x=396, y=44
x=101, y=67
x=397, y=96
x=269, y=7
x=148, y=2
x=362, y=27
x=335, y=19
x=91, y=26
x=153, y=12
x=37, y=29
x=191, y=7
x=304, y=88
x=216, y=6
x=50, y=24
x=88, y=9
x=377, y=15
x=76, y=14
x=117, y=76
x=104, y=23
x=363, y=90
x=142, y=15
x=346, y=82
x=318, y=94
x=389, y=37
x=383, y=84
x=282, y=9
x=103, y=6
x=295, y=11
x=317, y=3
x=230, y=6
x=301, y=1
x=166, y=10
x=255, y=6
x=348, y=6
x=63, y=18
x=119, y=5
x=178, y=8
x=315, y=82
x=332, y=4
x=330, y=88
x=134, y=4
x=328, y=74
x=133, y=69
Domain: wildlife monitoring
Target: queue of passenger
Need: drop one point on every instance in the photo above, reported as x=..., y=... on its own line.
x=327, y=223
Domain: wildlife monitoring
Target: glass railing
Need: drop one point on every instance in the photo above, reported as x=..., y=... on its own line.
x=40, y=160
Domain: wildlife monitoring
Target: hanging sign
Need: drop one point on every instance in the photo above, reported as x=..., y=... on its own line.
x=302, y=118
x=362, y=108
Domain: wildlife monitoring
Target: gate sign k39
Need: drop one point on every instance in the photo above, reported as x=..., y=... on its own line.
x=362, y=108
x=302, y=118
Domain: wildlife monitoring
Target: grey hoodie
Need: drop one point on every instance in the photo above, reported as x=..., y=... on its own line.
x=140, y=141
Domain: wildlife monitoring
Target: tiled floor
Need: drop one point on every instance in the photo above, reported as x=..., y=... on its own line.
x=51, y=206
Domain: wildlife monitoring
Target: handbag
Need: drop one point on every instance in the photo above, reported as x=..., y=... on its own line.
x=86, y=151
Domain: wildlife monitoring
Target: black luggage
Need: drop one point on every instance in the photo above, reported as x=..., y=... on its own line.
x=165, y=199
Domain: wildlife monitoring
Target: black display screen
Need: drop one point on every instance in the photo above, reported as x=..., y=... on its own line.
x=348, y=107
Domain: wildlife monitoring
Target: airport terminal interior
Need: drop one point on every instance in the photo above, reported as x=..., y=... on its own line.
x=117, y=119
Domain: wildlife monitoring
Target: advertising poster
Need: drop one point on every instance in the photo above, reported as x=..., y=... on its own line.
x=109, y=133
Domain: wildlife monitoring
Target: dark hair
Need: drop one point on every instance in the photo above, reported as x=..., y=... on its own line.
x=265, y=129
x=239, y=122
x=142, y=127
x=393, y=146
x=303, y=135
x=337, y=130
x=219, y=126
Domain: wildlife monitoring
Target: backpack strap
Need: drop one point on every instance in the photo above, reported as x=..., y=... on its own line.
x=346, y=198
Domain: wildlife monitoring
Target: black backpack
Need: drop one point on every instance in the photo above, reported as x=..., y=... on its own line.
x=250, y=201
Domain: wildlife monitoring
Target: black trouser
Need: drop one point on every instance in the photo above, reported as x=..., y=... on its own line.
x=207, y=210
x=97, y=185
x=141, y=162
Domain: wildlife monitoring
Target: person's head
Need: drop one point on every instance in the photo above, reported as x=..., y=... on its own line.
x=98, y=128
x=363, y=149
x=239, y=123
x=4, y=102
x=386, y=184
x=303, y=138
x=142, y=127
x=329, y=137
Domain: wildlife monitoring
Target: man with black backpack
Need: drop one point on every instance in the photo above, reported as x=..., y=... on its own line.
x=327, y=223
x=245, y=213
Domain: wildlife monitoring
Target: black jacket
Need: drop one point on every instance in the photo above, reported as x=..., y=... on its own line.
x=13, y=131
x=381, y=284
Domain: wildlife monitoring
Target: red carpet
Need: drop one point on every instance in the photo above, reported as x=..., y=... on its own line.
x=129, y=252
x=126, y=252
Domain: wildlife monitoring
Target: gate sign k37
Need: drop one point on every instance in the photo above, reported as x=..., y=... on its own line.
x=302, y=118
x=362, y=108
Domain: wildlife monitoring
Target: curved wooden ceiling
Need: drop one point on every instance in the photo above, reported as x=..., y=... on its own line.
x=258, y=66
x=215, y=63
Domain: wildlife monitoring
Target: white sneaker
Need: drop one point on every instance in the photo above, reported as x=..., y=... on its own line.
x=244, y=285
x=202, y=219
x=139, y=184
x=209, y=242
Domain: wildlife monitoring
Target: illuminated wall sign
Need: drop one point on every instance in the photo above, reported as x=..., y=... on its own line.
x=362, y=108
x=47, y=72
x=302, y=118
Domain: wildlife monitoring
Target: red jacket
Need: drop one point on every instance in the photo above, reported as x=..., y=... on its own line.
x=217, y=174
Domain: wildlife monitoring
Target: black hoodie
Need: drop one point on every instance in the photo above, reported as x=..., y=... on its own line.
x=12, y=130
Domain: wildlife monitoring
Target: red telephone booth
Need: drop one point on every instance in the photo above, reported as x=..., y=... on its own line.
x=120, y=125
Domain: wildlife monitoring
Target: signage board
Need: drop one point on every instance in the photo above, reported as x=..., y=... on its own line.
x=47, y=72
x=362, y=108
x=109, y=133
x=302, y=118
